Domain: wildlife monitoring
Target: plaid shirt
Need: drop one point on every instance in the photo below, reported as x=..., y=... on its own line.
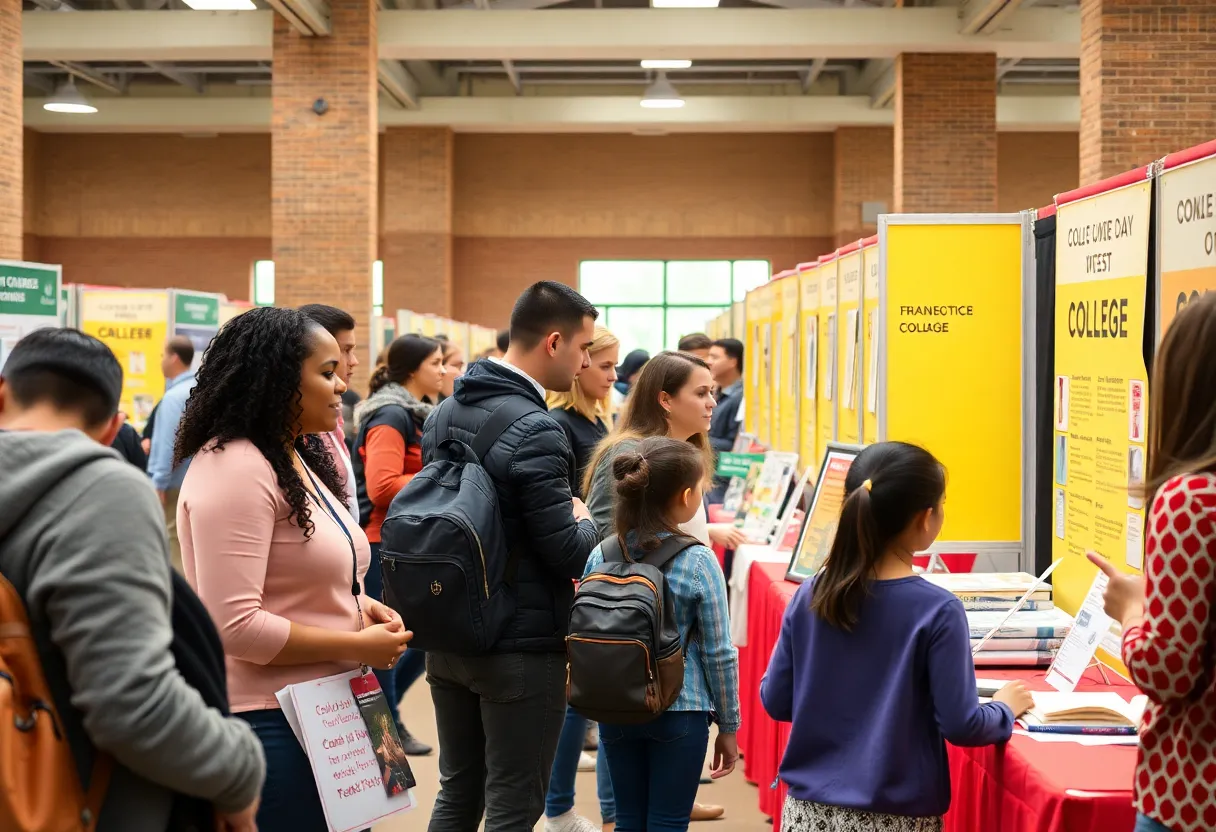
x=711, y=664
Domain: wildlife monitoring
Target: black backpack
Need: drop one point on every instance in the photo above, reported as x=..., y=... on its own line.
x=625, y=661
x=444, y=554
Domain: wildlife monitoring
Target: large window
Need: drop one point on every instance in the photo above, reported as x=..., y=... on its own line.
x=650, y=304
x=263, y=285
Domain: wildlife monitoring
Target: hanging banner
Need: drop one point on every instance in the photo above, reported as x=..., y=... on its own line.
x=1100, y=394
x=196, y=316
x=29, y=300
x=808, y=340
x=870, y=346
x=827, y=350
x=1186, y=245
x=134, y=325
x=848, y=345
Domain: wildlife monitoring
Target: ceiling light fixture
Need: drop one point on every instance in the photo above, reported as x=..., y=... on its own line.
x=68, y=99
x=661, y=95
x=666, y=64
x=684, y=4
x=221, y=5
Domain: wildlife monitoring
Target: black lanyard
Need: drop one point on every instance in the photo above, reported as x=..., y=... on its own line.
x=321, y=500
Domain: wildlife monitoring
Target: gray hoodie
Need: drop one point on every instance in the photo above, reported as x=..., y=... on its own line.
x=82, y=538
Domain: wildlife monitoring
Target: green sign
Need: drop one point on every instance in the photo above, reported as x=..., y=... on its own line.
x=736, y=465
x=190, y=309
x=27, y=289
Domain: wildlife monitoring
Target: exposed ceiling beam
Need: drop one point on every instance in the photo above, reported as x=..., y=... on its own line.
x=501, y=5
x=39, y=82
x=190, y=80
x=84, y=73
x=397, y=83
x=539, y=114
x=574, y=34
x=883, y=91
x=507, y=64
x=811, y=75
x=308, y=17
x=985, y=16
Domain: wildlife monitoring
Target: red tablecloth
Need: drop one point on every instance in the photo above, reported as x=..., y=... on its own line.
x=1025, y=786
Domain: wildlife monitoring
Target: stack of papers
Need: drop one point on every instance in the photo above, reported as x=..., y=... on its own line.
x=1028, y=637
x=993, y=591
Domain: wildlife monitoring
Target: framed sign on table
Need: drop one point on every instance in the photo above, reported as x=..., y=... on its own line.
x=819, y=525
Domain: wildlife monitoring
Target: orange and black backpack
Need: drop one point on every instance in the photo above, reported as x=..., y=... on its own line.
x=40, y=788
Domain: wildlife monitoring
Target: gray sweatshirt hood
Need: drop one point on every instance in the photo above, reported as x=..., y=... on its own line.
x=34, y=462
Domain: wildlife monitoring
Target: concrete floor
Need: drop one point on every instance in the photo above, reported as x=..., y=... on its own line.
x=733, y=792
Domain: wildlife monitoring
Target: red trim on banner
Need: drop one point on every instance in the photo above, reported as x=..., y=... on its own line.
x=1121, y=181
x=1045, y=212
x=807, y=266
x=869, y=241
x=783, y=275
x=1191, y=154
x=823, y=258
x=849, y=249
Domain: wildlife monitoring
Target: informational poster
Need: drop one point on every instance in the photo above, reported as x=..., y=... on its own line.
x=788, y=379
x=827, y=352
x=808, y=339
x=134, y=324
x=1100, y=394
x=870, y=348
x=29, y=300
x=819, y=527
x=953, y=354
x=197, y=317
x=848, y=347
x=771, y=488
x=1186, y=250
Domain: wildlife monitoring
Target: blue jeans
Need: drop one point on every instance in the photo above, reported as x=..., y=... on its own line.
x=1146, y=824
x=565, y=767
x=290, y=802
x=655, y=770
x=412, y=665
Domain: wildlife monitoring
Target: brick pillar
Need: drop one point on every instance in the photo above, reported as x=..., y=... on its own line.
x=323, y=167
x=864, y=162
x=945, y=133
x=416, y=194
x=1148, y=81
x=12, y=161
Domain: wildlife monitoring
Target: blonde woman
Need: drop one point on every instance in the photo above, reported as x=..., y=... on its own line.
x=583, y=414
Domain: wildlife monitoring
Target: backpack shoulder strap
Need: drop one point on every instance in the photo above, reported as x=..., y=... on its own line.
x=501, y=418
x=610, y=548
x=669, y=548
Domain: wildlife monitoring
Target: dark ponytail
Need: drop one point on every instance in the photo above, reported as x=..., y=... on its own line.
x=379, y=378
x=648, y=479
x=888, y=485
x=402, y=358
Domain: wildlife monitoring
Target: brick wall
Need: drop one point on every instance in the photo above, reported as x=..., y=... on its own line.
x=864, y=172
x=945, y=133
x=1148, y=81
x=12, y=202
x=1034, y=167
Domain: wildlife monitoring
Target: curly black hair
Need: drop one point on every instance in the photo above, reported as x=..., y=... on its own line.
x=248, y=387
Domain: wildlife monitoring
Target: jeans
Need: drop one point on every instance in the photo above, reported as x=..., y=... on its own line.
x=498, y=717
x=565, y=767
x=412, y=664
x=290, y=802
x=1146, y=824
x=656, y=768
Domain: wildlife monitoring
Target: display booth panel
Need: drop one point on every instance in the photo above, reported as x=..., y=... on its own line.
x=848, y=344
x=826, y=400
x=870, y=340
x=952, y=369
x=764, y=366
x=808, y=359
x=196, y=315
x=738, y=321
x=1186, y=231
x=787, y=384
x=776, y=365
x=134, y=324
x=753, y=358
x=31, y=297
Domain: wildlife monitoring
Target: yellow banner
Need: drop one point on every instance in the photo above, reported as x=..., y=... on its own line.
x=1100, y=393
x=764, y=401
x=134, y=325
x=751, y=357
x=953, y=344
x=787, y=384
x=827, y=354
x=776, y=366
x=809, y=450
x=1187, y=248
x=870, y=345
x=848, y=350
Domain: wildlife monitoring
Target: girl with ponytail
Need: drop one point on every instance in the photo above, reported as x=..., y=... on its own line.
x=873, y=665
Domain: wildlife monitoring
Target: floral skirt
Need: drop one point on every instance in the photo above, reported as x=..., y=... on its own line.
x=805, y=816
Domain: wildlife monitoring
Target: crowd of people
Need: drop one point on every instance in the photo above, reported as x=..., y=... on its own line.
x=168, y=608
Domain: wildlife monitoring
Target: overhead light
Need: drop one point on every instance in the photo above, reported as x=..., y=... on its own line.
x=68, y=99
x=684, y=4
x=661, y=95
x=664, y=64
x=221, y=5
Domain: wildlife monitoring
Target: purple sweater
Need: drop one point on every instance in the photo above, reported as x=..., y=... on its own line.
x=872, y=709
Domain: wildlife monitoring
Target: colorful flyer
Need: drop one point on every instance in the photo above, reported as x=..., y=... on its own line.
x=1186, y=249
x=134, y=325
x=772, y=486
x=819, y=526
x=29, y=300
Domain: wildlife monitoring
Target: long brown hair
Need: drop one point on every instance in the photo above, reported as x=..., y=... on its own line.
x=648, y=479
x=1182, y=406
x=886, y=487
x=643, y=416
x=403, y=357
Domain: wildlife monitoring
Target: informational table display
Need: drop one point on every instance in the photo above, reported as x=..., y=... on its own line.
x=29, y=300
x=769, y=495
x=196, y=316
x=808, y=340
x=134, y=325
x=1100, y=394
x=827, y=350
x=870, y=347
x=850, y=398
x=1186, y=247
x=787, y=383
x=819, y=527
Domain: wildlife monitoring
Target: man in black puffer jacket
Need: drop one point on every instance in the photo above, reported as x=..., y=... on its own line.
x=499, y=715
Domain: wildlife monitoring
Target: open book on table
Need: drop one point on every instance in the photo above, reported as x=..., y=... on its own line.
x=1081, y=712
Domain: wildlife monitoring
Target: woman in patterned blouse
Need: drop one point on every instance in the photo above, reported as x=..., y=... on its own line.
x=1169, y=630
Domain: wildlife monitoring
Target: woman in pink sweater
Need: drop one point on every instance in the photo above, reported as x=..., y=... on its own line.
x=267, y=539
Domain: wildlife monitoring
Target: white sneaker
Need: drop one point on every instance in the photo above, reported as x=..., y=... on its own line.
x=570, y=822
x=586, y=762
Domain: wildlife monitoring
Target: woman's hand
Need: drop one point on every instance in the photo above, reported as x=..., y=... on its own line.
x=726, y=535
x=379, y=613
x=1124, y=597
x=726, y=754
x=1017, y=696
x=380, y=645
